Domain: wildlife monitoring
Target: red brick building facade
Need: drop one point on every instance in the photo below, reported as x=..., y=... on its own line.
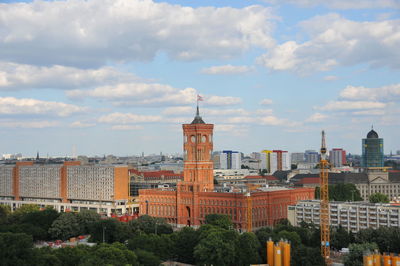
x=194, y=197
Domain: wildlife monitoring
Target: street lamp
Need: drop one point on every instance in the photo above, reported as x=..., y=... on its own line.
x=104, y=229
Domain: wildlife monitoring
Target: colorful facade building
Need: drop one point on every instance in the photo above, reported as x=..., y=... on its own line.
x=195, y=196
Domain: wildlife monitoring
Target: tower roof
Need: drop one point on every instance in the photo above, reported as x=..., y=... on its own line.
x=372, y=135
x=197, y=119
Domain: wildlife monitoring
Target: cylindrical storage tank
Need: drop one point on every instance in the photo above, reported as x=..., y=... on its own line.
x=277, y=255
x=386, y=260
x=368, y=260
x=286, y=254
x=395, y=260
x=377, y=259
x=270, y=252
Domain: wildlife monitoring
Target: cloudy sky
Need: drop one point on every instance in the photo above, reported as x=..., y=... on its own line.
x=121, y=76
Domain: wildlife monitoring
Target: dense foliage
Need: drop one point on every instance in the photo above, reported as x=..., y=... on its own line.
x=341, y=192
x=378, y=198
x=149, y=241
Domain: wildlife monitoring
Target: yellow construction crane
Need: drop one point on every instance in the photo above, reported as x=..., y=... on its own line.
x=324, y=208
x=250, y=187
x=249, y=213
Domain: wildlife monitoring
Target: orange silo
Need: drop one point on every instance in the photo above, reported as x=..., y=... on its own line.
x=377, y=259
x=386, y=260
x=270, y=252
x=277, y=256
x=286, y=254
x=395, y=260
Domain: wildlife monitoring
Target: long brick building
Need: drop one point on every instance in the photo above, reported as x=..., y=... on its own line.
x=195, y=196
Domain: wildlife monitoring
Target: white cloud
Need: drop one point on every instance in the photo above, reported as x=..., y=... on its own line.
x=264, y=112
x=370, y=112
x=20, y=76
x=128, y=118
x=349, y=105
x=232, y=130
x=330, y=78
x=127, y=127
x=80, y=124
x=266, y=102
x=93, y=33
x=221, y=100
x=178, y=110
x=152, y=94
x=384, y=93
x=138, y=94
x=342, y=4
x=226, y=69
x=27, y=106
x=317, y=117
x=333, y=41
x=29, y=124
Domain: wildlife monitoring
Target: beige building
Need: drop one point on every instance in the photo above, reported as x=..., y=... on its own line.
x=352, y=216
x=67, y=186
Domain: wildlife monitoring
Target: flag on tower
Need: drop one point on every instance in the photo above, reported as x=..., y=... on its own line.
x=199, y=98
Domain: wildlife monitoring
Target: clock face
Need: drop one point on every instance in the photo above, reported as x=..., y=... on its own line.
x=203, y=139
x=193, y=139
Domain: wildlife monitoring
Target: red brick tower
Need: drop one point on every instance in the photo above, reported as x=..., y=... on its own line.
x=198, y=170
x=198, y=146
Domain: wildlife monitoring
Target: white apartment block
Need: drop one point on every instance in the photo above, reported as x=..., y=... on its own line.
x=40, y=181
x=68, y=186
x=6, y=180
x=91, y=183
x=353, y=216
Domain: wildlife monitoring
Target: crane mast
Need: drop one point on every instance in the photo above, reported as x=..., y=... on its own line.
x=324, y=208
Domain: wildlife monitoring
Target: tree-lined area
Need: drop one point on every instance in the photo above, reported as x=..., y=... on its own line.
x=150, y=241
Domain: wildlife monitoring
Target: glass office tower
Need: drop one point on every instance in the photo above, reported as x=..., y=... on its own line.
x=372, y=150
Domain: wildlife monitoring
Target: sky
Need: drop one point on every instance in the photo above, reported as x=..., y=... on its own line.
x=122, y=76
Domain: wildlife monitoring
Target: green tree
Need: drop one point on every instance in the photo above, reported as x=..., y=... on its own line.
x=215, y=249
x=150, y=225
x=340, y=238
x=185, y=241
x=147, y=258
x=356, y=252
x=116, y=254
x=221, y=220
x=114, y=231
x=44, y=256
x=41, y=220
x=378, y=198
x=26, y=208
x=86, y=219
x=307, y=256
x=65, y=226
x=247, y=249
x=341, y=192
x=15, y=249
x=5, y=212
x=72, y=256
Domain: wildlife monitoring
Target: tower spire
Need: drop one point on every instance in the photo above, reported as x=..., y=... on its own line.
x=197, y=118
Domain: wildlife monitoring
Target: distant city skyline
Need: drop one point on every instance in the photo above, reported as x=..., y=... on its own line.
x=121, y=76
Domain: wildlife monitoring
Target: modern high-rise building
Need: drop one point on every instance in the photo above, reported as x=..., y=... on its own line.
x=297, y=157
x=337, y=157
x=311, y=156
x=275, y=160
x=372, y=150
x=67, y=186
x=230, y=160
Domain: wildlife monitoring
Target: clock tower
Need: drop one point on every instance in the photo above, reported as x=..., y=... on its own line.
x=198, y=147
